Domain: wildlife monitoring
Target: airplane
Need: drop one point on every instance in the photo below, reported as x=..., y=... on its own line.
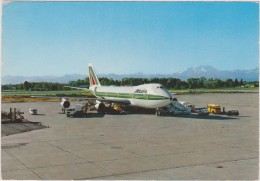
x=148, y=96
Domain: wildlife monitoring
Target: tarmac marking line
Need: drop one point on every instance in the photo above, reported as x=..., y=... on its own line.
x=100, y=178
x=25, y=165
x=80, y=158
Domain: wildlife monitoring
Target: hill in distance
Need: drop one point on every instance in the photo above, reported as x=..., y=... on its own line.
x=192, y=72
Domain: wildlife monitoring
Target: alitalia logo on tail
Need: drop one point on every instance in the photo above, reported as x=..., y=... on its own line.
x=93, y=79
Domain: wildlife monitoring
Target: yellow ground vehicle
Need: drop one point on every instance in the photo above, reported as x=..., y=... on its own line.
x=117, y=108
x=214, y=108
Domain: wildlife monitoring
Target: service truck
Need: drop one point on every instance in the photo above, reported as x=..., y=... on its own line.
x=78, y=111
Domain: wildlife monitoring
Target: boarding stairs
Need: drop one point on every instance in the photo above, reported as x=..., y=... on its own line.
x=175, y=107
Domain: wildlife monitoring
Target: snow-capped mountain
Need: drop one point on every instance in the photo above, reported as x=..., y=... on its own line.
x=192, y=72
x=211, y=72
x=198, y=71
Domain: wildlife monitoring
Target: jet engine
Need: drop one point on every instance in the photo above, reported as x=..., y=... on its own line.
x=64, y=103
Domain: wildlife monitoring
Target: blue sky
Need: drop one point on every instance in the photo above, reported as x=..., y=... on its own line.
x=58, y=38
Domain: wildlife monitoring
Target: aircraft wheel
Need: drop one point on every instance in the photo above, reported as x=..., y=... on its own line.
x=158, y=113
x=101, y=109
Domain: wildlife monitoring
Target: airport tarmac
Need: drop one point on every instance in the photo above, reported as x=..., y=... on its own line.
x=137, y=146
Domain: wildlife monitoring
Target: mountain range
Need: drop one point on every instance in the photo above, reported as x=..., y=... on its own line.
x=198, y=71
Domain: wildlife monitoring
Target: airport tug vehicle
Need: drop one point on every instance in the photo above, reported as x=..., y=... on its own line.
x=216, y=109
x=33, y=111
x=78, y=111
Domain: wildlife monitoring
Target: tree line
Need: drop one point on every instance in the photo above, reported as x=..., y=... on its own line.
x=169, y=83
x=35, y=86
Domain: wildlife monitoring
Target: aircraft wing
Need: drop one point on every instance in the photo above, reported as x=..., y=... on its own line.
x=120, y=101
x=65, y=97
x=77, y=88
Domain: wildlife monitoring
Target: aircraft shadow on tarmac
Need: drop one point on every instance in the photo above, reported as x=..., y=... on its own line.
x=40, y=114
x=89, y=115
x=214, y=117
x=192, y=116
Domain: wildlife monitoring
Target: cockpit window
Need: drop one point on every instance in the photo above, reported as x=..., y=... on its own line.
x=160, y=87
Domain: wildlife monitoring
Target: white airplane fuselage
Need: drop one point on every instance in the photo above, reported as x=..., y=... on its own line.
x=146, y=96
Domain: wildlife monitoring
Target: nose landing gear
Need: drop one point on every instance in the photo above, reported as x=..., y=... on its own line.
x=157, y=112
